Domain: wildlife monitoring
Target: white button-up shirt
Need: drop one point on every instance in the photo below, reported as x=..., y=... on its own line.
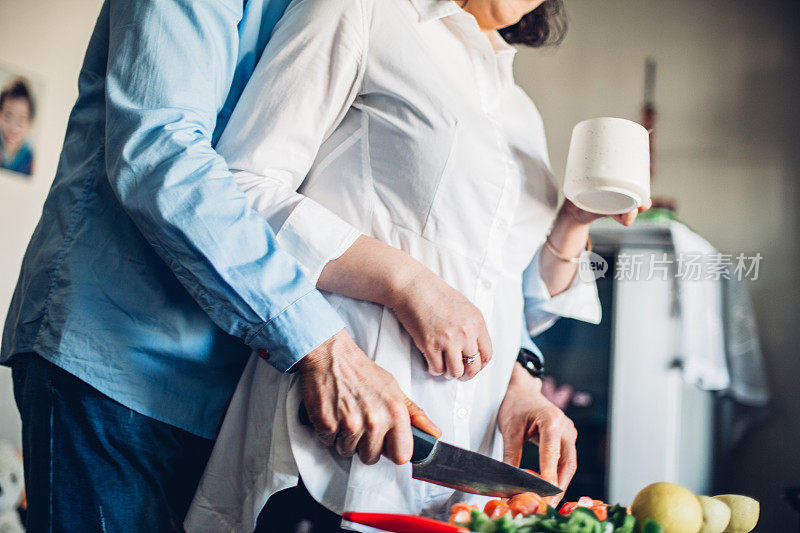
x=397, y=119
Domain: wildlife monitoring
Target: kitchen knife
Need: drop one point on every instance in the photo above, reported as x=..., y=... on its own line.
x=450, y=466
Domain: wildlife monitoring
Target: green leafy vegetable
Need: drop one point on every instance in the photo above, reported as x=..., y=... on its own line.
x=580, y=520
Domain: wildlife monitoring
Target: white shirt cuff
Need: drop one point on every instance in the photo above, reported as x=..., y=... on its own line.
x=579, y=301
x=314, y=236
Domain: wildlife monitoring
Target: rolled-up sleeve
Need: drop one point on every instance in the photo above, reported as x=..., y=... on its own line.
x=170, y=66
x=579, y=301
x=304, y=84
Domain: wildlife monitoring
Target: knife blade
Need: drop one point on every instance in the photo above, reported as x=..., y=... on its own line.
x=450, y=466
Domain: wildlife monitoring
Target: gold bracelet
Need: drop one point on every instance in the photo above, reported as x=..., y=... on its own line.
x=562, y=257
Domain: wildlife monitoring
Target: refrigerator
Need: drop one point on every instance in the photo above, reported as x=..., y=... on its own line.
x=620, y=381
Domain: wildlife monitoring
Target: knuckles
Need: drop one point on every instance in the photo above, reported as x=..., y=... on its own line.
x=435, y=365
x=352, y=424
x=398, y=414
x=376, y=420
x=370, y=460
x=327, y=428
x=456, y=372
x=401, y=459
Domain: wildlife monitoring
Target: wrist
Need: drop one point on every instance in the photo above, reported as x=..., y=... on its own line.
x=396, y=287
x=569, y=233
x=520, y=377
x=321, y=355
x=571, y=217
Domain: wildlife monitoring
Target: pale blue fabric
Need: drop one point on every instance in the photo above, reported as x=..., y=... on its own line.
x=148, y=276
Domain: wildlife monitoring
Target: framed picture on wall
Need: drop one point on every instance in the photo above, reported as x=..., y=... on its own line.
x=19, y=98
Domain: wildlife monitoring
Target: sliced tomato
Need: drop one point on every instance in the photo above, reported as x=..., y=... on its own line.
x=601, y=510
x=461, y=512
x=527, y=503
x=583, y=501
x=567, y=507
x=496, y=508
x=548, y=500
x=599, y=507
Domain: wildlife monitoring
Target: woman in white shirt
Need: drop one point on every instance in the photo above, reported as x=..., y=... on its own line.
x=388, y=146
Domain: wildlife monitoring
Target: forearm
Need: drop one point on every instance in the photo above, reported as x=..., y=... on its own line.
x=370, y=270
x=568, y=236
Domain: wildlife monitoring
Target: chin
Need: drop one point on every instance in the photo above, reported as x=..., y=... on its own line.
x=509, y=12
x=509, y=16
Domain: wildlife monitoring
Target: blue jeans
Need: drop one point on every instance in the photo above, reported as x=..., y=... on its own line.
x=92, y=464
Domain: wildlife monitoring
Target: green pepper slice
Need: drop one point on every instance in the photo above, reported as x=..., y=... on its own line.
x=582, y=520
x=481, y=522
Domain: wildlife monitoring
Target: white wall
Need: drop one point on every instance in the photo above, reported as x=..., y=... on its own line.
x=46, y=40
x=727, y=147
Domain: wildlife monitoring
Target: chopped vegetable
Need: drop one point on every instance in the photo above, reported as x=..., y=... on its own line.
x=505, y=524
x=584, y=516
x=460, y=513
x=582, y=520
x=599, y=507
x=568, y=507
x=601, y=510
x=496, y=508
x=527, y=503
x=481, y=522
x=547, y=499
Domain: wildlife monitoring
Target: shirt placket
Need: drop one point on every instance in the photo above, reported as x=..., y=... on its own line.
x=489, y=86
x=506, y=174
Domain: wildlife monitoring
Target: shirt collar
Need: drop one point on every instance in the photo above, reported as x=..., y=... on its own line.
x=435, y=9
x=438, y=9
x=500, y=46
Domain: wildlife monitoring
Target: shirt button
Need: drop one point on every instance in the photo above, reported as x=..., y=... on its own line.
x=510, y=163
x=462, y=412
x=262, y=353
x=487, y=284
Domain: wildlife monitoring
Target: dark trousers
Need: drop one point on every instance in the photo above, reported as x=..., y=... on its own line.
x=92, y=464
x=295, y=511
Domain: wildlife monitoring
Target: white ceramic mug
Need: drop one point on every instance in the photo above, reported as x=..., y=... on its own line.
x=608, y=166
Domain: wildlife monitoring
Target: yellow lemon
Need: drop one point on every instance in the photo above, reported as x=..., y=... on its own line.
x=675, y=508
x=716, y=515
x=744, y=512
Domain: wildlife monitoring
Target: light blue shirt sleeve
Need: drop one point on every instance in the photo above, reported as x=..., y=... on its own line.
x=170, y=67
x=527, y=342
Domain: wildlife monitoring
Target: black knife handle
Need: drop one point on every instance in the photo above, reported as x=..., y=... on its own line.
x=423, y=442
x=423, y=445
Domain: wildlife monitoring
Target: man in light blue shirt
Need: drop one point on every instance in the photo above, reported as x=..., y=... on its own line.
x=149, y=279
